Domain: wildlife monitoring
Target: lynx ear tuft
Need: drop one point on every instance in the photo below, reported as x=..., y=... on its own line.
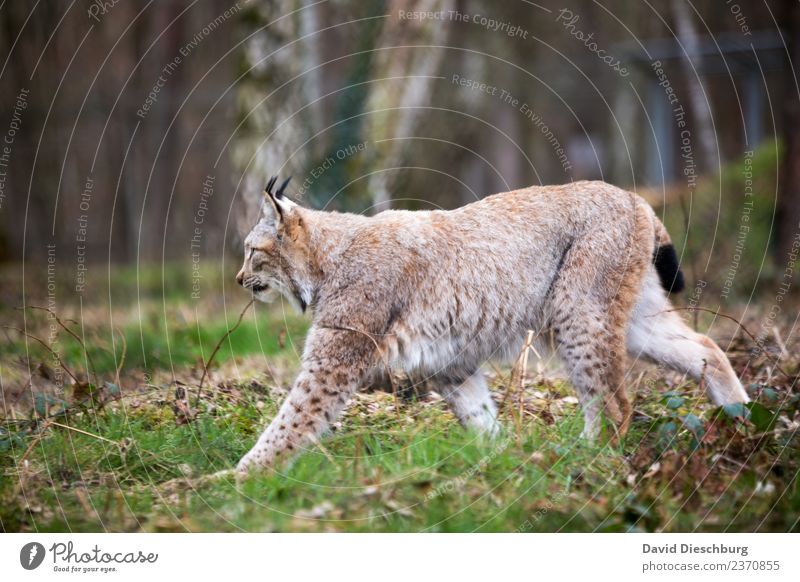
x=270, y=185
x=275, y=200
x=270, y=207
x=279, y=194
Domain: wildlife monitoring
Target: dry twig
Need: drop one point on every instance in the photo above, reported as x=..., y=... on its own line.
x=47, y=347
x=216, y=349
x=74, y=335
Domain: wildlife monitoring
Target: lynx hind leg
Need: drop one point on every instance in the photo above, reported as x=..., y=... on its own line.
x=593, y=296
x=661, y=336
x=469, y=398
x=594, y=355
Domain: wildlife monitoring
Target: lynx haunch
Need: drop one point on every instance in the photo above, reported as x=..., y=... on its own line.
x=438, y=293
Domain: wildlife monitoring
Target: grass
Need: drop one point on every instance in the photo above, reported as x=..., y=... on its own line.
x=384, y=471
x=158, y=327
x=136, y=457
x=171, y=340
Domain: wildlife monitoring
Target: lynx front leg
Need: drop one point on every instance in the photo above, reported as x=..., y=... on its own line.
x=333, y=368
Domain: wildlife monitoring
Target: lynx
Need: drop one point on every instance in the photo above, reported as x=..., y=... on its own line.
x=438, y=293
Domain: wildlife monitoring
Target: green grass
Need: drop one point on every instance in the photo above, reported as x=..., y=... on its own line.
x=382, y=472
x=162, y=342
x=162, y=327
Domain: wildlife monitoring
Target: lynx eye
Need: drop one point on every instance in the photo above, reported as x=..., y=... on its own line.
x=257, y=258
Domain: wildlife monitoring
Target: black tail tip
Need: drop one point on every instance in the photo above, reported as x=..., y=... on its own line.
x=669, y=272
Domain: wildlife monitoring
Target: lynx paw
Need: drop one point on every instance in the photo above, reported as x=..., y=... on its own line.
x=252, y=463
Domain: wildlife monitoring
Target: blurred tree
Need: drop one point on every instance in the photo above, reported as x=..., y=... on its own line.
x=699, y=101
x=397, y=103
x=86, y=153
x=789, y=190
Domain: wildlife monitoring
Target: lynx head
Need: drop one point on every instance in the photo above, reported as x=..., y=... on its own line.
x=276, y=253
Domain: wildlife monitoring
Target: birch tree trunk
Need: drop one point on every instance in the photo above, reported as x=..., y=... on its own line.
x=402, y=98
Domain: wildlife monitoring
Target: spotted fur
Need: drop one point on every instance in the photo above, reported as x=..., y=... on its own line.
x=438, y=293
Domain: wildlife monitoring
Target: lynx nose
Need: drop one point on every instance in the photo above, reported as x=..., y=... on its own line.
x=240, y=277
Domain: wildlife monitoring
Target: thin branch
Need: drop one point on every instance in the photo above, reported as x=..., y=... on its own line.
x=216, y=349
x=122, y=357
x=34, y=442
x=517, y=376
x=95, y=436
x=47, y=347
x=50, y=422
x=693, y=256
x=74, y=335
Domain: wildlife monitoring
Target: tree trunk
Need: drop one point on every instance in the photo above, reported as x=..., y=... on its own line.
x=789, y=186
x=698, y=100
x=408, y=103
